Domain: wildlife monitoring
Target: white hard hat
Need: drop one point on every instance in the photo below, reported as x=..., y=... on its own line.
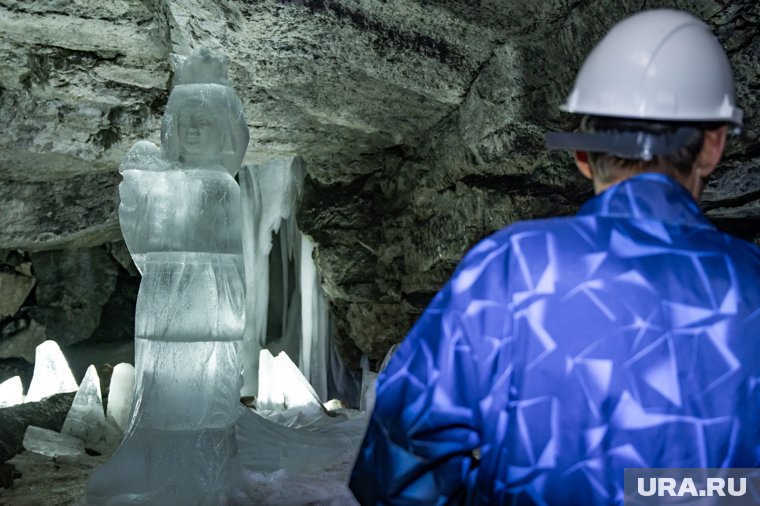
x=657, y=65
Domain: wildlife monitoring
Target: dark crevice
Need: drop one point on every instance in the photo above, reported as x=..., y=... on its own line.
x=736, y=201
x=747, y=229
x=524, y=184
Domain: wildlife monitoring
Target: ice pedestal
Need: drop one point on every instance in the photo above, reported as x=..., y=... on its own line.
x=170, y=467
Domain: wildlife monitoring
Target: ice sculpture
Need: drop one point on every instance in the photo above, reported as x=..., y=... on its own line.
x=52, y=374
x=180, y=217
x=286, y=308
x=11, y=392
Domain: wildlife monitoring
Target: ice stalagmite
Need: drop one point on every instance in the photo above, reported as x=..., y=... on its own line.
x=282, y=386
x=52, y=374
x=180, y=217
x=86, y=419
x=11, y=392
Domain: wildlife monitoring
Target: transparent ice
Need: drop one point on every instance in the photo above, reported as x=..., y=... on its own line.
x=282, y=386
x=180, y=217
x=369, y=378
x=51, y=443
x=51, y=373
x=86, y=418
x=188, y=440
x=120, y=394
x=11, y=392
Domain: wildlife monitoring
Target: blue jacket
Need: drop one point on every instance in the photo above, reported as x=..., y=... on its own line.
x=565, y=350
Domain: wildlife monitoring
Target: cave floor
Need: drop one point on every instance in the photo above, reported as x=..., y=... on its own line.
x=274, y=472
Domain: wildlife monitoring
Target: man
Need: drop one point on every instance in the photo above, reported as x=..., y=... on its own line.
x=563, y=351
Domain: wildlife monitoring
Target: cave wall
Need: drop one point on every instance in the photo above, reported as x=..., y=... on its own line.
x=421, y=123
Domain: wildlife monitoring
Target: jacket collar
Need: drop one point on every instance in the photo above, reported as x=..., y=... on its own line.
x=649, y=196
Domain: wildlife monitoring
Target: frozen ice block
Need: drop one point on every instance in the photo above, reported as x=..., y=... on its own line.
x=51, y=443
x=120, y=394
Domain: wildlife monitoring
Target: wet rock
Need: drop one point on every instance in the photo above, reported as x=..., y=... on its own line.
x=72, y=288
x=21, y=337
x=48, y=413
x=10, y=367
x=14, y=289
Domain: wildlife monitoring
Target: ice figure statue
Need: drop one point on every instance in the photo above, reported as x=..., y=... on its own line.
x=180, y=217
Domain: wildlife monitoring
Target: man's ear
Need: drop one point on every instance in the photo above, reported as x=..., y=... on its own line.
x=582, y=162
x=712, y=151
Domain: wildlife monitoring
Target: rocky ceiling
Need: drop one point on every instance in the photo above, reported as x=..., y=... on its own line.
x=420, y=122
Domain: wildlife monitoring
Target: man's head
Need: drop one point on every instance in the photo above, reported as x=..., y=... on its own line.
x=698, y=149
x=656, y=95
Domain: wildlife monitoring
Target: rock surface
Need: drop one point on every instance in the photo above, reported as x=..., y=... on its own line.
x=73, y=288
x=48, y=413
x=421, y=124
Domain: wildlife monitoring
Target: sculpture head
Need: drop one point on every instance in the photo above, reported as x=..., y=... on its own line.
x=204, y=122
x=199, y=131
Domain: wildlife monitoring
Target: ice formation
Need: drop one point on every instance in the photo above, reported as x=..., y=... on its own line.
x=51, y=443
x=369, y=378
x=286, y=308
x=86, y=419
x=11, y=392
x=180, y=217
x=120, y=394
x=315, y=323
x=282, y=386
x=51, y=373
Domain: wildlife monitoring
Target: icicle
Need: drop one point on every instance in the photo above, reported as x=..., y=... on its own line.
x=284, y=259
x=314, y=322
x=367, y=399
x=308, y=313
x=256, y=280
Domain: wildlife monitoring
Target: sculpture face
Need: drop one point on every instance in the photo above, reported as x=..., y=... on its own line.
x=200, y=133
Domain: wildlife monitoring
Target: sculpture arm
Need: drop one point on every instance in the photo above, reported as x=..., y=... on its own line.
x=143, y=157
x=423, y=439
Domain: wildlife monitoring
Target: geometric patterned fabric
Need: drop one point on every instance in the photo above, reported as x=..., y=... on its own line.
x=564, y=350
